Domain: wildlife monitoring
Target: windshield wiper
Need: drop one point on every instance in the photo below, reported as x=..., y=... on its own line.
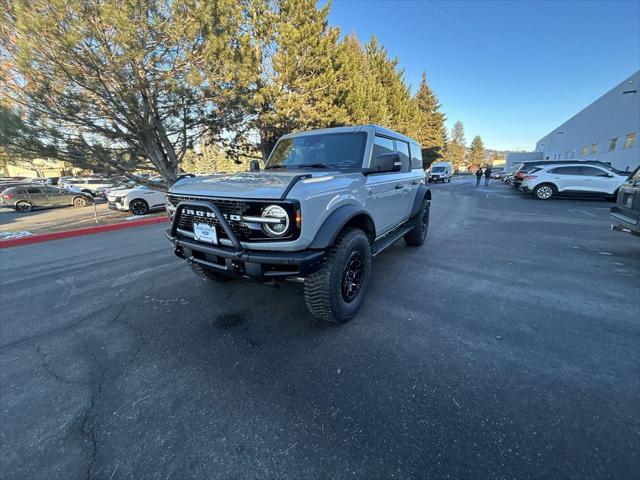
x=313, y=165
x=269, y=167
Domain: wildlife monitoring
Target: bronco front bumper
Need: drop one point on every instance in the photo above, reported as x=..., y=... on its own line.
x=236, y=260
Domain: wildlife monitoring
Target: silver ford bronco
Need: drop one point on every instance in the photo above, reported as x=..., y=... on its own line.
x=326, y=202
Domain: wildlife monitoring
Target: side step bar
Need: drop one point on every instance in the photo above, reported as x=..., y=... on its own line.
x=389, y=239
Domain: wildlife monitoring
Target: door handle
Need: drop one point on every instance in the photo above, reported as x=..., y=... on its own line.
x=399, y=186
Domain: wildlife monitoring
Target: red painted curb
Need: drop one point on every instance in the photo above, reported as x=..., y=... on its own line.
x=45, y=237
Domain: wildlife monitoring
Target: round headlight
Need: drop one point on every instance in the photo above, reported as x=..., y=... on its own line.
x=279, y=228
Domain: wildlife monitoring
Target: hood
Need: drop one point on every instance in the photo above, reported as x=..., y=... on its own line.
x=259, y=185
x=120, y=192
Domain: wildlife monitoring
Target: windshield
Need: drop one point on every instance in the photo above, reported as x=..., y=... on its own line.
x=438, y=169
x=333, y=150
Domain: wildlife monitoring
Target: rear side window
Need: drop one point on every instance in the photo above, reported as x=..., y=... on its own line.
x=33, y=190
x=564, y=171
x=591, y=172
x=403, y=150
x=416, y=156
x=382, y=145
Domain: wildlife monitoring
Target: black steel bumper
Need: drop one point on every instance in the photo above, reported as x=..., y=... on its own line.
x=237, y=261
x=624, y=221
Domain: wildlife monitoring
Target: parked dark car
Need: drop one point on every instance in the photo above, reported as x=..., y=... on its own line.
x=27, y=197
x=626, y=214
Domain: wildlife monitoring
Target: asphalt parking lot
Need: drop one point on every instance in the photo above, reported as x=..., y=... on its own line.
x=506, y=347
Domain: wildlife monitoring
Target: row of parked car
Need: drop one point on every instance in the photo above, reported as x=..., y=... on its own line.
x=25, y=194
x=549, y=179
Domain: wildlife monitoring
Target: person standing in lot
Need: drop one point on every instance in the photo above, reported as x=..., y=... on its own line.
x=478, y=176
x=487, y=175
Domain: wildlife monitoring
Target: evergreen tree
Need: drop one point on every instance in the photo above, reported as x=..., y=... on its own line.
x=401, y=111
x=114, y=86
x=431, y=130
x=457, y=147
x=295, y=74
x=476, y=154
x=359, y=92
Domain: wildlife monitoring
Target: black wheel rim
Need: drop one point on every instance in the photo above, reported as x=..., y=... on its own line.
x=352, y=277
x=138, y=208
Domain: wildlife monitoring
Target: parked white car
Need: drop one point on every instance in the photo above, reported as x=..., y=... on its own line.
x=584, y=179
x=93, y=186
x=138, y=199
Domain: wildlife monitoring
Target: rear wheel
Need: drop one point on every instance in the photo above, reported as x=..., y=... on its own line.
x=80, y=202
x=544, y=191
x=139, y=207
x=420, y=222
x=336, y=291
x=23, y=207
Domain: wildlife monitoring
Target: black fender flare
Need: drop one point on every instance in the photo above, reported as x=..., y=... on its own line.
x=335, y=222
x=422, y=194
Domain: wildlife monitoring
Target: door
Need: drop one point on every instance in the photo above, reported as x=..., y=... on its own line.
x=56, y=196
x=410, y=181
x=598, y=180
x=566, y=178
x=386, y=198
x=37, y=196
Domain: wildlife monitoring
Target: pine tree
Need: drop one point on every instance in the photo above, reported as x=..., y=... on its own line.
x=431, y=130
x=359, y=92
x=476, y=154
x=457, y=147
x=401, y=110
x=115, y=86
x=295, y=70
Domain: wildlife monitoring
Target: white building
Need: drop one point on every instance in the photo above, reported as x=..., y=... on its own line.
x=608, y=130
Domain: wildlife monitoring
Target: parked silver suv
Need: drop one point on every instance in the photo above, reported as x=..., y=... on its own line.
x=325, y=204
x=24, y=198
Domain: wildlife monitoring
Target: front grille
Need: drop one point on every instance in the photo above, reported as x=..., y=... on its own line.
x=229, y=207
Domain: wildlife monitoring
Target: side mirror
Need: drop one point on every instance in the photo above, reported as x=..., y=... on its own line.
x=254, y=166
x=387, y=162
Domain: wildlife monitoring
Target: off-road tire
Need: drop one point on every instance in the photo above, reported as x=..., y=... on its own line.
x=207, y=273
x=544, y=191
x=420, y=222
x=23, y=206
x=139, y=207
x=323, y=290
x=80, y=202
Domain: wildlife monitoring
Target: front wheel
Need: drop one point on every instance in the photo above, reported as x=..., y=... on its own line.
x=544, y=191
x=420, y=224
x=139, y=207
x=336, y=291
x=80, y=202
x=449, y=180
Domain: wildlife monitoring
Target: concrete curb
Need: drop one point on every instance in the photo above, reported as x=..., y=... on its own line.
x=45, y=237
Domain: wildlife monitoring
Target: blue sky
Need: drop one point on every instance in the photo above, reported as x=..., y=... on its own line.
x=510, y=71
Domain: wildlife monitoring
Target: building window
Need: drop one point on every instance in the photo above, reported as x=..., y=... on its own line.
x=612, y=144
x=630, y=141
x=584, y=151
x=594, y=148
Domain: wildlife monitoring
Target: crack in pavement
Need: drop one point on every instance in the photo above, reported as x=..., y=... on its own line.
x=96, y=382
